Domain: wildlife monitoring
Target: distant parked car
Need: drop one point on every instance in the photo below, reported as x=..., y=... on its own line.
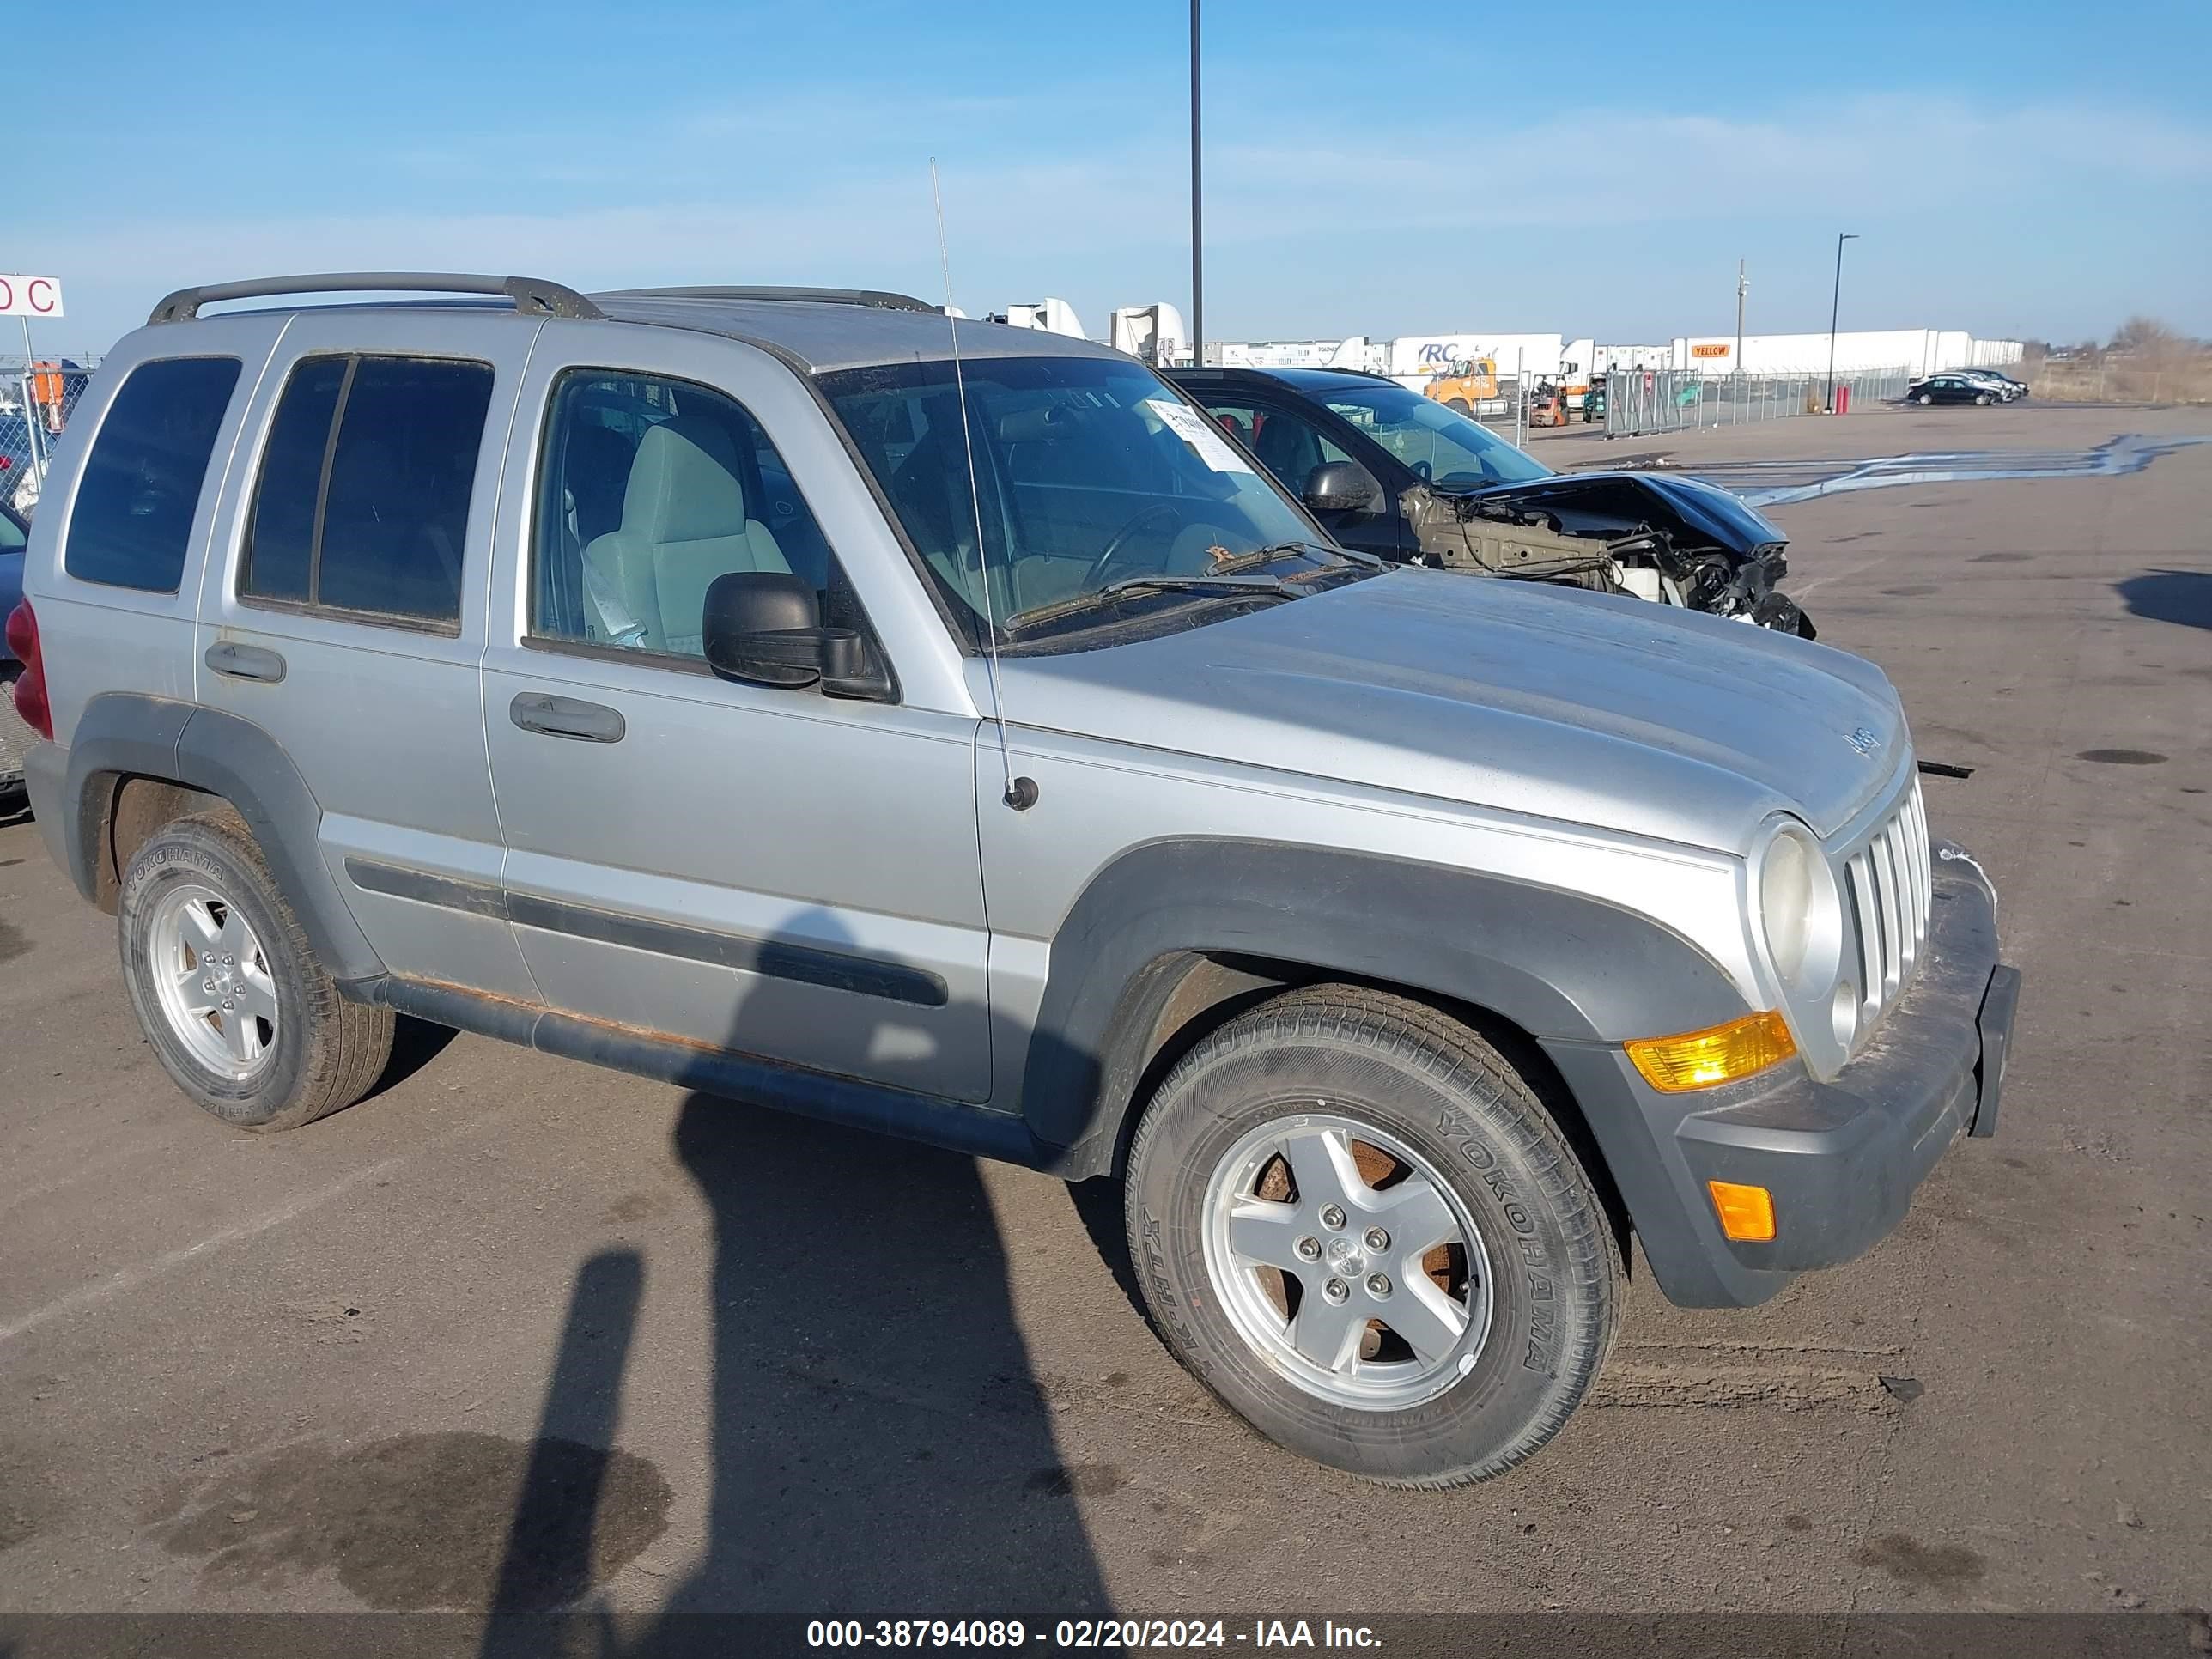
x=1952, y=388
x=18, y=480
x=2003, y=385
x=14, y=533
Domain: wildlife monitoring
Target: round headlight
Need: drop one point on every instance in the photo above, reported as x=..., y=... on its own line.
x=1789, y=882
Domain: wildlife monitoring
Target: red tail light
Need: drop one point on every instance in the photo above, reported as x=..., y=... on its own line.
x=31, y=688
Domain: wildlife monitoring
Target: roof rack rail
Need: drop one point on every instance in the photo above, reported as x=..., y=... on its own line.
x=878, y=299
x=533, y=296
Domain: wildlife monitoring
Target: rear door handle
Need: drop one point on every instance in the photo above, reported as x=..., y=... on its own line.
x=245, y=662
x=565, y=717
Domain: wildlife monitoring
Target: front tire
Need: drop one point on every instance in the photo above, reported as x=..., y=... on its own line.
x=228, y=989
x=1352, y=1219
x=1981, y=400
x=1924, y=400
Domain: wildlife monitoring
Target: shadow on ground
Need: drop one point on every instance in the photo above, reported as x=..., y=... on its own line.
x=878, y=1445
x=2172, y=596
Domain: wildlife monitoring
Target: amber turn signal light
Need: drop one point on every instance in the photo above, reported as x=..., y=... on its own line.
x=1721, y=1054
x=1747, y=1212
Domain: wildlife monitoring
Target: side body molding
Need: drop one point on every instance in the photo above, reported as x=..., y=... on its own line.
x=1558, y=964
x=124, y=734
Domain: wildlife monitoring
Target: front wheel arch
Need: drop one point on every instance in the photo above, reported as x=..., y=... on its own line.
x=1173, y=937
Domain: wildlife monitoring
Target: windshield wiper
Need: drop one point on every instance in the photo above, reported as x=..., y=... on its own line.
x=1228, y=574
x=1207, y=580
x=1260, y=556
x=1225, y=577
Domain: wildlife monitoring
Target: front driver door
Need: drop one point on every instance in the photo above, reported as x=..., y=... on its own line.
x=766, y=871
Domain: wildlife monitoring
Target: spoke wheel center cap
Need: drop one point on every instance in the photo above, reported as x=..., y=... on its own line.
x=1344, y=1258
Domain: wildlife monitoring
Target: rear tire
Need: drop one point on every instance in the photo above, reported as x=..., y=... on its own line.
x=228, y=989
x=1505, y=1330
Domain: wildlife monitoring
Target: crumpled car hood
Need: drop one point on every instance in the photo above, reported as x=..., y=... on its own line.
x=1591, y=708
x=1685, y=509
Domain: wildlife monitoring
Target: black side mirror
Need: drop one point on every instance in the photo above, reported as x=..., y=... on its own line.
x=1341, y=487
x=761, y=627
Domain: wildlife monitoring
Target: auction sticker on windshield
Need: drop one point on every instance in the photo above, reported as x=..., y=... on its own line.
x=1195, y=429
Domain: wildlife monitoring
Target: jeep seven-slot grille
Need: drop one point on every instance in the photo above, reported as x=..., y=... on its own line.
x=1888, y=885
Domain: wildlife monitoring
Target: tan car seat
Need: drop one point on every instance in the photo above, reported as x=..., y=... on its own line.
x=684, y=523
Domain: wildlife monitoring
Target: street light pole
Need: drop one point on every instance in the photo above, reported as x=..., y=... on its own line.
x=1197, y=214
x=1742, y=282
x=1835, y=306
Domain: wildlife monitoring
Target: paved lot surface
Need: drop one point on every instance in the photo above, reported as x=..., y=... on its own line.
x=14, y=738
x=331, y=1369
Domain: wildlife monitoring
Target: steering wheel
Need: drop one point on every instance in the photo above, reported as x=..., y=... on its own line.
x=1095, y=577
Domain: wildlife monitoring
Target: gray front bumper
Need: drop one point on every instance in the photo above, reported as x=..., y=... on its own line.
x=1841, y=1158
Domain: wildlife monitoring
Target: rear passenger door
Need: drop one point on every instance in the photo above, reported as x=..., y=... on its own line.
x=344, y=613
x=770, y=871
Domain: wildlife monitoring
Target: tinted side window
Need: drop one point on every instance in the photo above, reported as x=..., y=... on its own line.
x=648, y=489
x=280, y=537
x=1289, y=444
x=132, y=519
x=376, y=520
x=395, y=510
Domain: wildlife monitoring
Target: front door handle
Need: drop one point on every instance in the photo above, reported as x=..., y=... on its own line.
x=245, y=662
x=565, y=717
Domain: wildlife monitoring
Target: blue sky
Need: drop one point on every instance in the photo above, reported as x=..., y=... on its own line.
x=1594, y=168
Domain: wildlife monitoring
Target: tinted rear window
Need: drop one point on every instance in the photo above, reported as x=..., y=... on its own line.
x=131, y=523
x=377, y=521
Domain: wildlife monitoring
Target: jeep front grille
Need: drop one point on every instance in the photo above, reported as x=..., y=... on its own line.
x=1887, y=884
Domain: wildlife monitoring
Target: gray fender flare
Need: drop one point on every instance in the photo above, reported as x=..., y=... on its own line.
x=1559, y=965
x=126, y=734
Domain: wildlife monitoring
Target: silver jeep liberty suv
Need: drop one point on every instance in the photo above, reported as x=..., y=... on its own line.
x=754, y=689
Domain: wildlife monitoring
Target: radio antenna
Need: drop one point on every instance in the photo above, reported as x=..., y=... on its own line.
x=1021, y=792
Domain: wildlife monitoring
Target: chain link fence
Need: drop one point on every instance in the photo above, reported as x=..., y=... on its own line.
x=1639, y=401
x=37, y=397
x=1505, y=395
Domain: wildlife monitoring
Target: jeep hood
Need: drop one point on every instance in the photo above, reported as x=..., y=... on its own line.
x=1586, y=708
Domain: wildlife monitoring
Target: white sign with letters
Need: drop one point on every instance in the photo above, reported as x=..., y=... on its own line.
x=30, y=296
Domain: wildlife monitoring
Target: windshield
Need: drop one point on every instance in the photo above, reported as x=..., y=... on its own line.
x=1441, y=445
x=1088, y=471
